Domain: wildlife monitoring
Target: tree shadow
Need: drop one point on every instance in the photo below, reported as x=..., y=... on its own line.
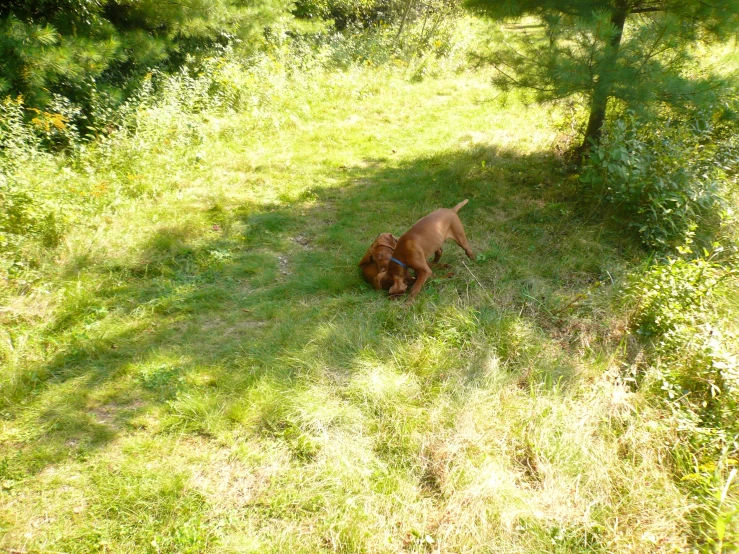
x=273, y=292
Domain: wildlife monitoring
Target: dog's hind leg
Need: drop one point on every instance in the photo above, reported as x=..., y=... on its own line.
x=456, y=233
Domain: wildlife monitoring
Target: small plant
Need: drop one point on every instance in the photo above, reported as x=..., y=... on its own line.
x=714, y=483
x=158, y=377
x=56, y=125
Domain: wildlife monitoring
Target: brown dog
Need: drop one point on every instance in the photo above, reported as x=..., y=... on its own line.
x=419, y=242
x=374, y=263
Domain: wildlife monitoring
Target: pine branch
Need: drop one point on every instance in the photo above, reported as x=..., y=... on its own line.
x=591, y=61
x=692, y=93
x=653, y=52
x=647, y=10
x=519, y=83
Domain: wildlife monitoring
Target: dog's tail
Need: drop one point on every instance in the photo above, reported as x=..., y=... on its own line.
x=459, y=206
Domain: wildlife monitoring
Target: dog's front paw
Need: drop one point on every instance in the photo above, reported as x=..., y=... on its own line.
x=409, y=300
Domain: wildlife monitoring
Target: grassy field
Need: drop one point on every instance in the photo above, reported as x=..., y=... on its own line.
x=203, y=370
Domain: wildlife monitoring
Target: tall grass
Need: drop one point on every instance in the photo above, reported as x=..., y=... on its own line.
x=167, y=118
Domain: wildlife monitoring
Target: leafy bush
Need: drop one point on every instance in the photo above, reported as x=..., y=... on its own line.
x=421, y=45
x=349, y=12
x=663, y=179
x=671, y=293
x=374, y=32
x=695, y=366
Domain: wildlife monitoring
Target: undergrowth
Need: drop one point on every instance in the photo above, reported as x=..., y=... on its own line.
x=666, y=179
x=692, y=369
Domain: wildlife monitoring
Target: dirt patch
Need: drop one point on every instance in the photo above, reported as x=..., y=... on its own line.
x=231, y=483
x=303, y=241
x=283, y=263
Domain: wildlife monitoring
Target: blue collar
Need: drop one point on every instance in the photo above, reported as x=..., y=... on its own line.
x=401, y=264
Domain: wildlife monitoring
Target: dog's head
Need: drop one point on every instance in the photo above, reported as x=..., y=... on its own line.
x=382, y=250
x=399, y=286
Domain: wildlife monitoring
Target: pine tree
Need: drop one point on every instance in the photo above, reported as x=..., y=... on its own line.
x=49, y=46
x=636, y=51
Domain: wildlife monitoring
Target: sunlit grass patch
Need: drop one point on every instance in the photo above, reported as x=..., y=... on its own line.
x=377, y=388
x=529, y=465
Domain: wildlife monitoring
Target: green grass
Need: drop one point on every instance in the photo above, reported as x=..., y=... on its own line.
x=203, y=370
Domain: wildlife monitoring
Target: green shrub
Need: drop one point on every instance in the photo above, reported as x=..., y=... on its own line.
x=374, y=32
x=347, y=12
x=16, y=138
x=663, y=178
x=353, y=14
x=676, y=315
x=670, y=294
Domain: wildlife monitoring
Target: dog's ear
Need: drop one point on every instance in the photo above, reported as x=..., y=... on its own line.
x=395, y=239
x=386, y=239
x=367, y=259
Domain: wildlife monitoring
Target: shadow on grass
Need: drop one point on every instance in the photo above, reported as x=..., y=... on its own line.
x=271, y=292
